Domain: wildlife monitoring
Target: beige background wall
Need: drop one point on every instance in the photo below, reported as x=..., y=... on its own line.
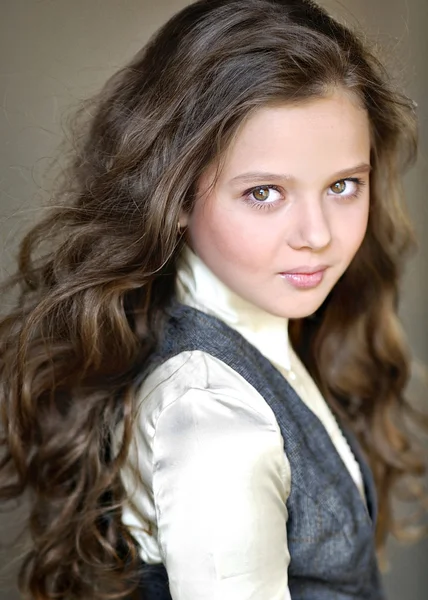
x=55, y=52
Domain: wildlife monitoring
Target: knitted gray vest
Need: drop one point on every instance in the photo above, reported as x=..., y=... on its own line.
x=330, y=530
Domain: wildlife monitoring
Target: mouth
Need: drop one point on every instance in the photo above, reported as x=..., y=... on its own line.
x=305, y=270
x=305, y=277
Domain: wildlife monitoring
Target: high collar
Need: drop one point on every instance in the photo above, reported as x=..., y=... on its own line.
x=197, y=286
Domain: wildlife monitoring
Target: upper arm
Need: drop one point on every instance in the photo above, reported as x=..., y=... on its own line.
x=219, y=492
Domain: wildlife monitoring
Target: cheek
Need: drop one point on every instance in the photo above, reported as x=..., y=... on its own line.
x=232, y=236
x=353, y=229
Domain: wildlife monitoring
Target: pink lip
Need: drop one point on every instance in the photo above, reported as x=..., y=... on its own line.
x=306, y=270
x=305, y=277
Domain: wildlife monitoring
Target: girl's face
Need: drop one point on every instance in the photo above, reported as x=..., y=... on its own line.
x=290, y=206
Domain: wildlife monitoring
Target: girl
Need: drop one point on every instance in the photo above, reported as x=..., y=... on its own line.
x=202, y=380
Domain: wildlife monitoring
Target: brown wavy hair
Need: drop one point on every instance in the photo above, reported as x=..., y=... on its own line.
x=96, y=274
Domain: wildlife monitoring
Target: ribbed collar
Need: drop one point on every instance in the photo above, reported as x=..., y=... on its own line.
x=197, y=286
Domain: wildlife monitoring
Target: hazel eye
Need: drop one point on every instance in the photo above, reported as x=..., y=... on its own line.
x=347, y=188
x=261, y=194
x=339, y=187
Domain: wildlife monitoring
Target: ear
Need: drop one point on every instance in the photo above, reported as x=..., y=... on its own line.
x=184, y=219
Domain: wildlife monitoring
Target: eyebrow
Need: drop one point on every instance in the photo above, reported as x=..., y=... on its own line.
x=263, y=176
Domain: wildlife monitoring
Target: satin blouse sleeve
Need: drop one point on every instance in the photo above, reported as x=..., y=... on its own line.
x=219, y=484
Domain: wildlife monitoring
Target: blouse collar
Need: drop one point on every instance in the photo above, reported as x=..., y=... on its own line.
x=197, y=286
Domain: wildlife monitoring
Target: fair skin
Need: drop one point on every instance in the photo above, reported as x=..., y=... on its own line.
x=292, y=194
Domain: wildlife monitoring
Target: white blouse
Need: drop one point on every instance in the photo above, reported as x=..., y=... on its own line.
x=211, y=503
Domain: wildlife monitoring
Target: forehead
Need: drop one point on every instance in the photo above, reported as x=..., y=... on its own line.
x=316, y=137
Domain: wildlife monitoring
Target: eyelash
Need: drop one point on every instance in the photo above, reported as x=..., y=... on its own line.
x=259, y=205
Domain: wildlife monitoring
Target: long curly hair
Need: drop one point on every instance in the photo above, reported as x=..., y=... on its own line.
x=95, y=275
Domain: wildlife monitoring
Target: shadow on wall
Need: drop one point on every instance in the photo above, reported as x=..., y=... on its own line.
x=10, y=523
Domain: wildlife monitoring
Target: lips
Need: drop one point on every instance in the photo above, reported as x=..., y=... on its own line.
x=305, y=270
x=305, y=277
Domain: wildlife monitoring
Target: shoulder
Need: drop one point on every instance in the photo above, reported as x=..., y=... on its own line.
x=195, y=411
x=197, y=377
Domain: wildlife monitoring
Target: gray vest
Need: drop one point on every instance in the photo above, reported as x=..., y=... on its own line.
x=330, y=530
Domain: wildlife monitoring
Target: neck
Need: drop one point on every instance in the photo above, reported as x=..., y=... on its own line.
x=197, y=286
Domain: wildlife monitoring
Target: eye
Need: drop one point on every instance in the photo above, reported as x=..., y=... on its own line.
x=347, y=188
x=263, y=194
x=339, y=187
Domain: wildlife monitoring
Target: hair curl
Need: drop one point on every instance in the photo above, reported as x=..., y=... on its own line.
x=95, y=275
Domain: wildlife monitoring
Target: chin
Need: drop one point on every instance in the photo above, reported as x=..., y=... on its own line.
x=296, y=312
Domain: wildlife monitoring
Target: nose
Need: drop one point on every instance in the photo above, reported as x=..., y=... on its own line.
x=311, y=228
